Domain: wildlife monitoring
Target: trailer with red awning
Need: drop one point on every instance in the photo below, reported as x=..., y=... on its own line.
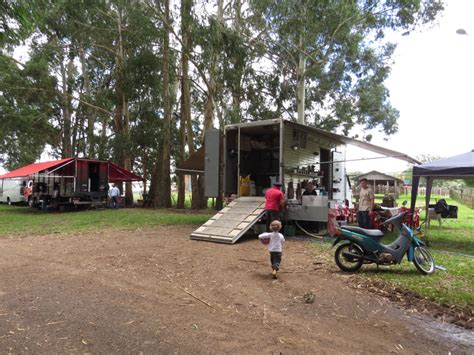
x=70, y=181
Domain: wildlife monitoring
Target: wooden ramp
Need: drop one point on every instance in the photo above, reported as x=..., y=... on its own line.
x=231, y=223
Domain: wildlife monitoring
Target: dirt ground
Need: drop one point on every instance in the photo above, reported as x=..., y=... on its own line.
x=156, y=291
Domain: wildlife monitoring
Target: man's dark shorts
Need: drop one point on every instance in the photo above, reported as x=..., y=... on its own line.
x=270, y=216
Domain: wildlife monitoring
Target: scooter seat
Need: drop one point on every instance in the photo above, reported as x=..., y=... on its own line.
x=369, y=232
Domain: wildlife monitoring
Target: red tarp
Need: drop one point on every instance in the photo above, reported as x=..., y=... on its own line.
x=34, y=168
x=118, y=174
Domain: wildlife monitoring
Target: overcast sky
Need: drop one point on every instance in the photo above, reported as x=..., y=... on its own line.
x=431, y=84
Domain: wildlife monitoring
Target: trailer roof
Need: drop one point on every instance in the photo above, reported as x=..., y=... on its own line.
x=116, y=173
x=34, y=168
x=364, y=145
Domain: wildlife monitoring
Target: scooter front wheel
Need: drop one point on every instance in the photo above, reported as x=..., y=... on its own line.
x=423, y=260
x=348, y=257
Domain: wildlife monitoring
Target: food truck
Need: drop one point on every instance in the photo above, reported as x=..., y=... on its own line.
x=243, y=160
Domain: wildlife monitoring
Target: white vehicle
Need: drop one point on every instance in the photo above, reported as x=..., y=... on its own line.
x=11, y=190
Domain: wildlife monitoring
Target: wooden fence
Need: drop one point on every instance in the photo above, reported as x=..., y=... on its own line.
x=464, y=196
x=437, y=191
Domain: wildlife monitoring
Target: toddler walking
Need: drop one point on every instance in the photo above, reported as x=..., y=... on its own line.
x=274, y=240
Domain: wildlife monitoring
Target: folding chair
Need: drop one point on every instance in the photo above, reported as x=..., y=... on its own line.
x=441, y=211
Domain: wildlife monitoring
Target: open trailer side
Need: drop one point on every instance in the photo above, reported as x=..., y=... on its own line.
x=243, y=160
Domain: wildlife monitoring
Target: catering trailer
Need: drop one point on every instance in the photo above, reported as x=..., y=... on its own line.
x=243, y=160
x=70, y=182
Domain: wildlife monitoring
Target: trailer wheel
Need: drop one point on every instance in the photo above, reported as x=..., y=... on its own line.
x=9, y=202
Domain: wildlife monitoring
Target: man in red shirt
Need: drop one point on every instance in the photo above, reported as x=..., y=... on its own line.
x=274, y=202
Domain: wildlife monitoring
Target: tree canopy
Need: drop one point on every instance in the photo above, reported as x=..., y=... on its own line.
x=139, y=81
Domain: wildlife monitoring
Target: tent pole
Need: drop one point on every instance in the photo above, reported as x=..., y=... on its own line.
x=429, y=186
x=414, y=193
x=238, y=161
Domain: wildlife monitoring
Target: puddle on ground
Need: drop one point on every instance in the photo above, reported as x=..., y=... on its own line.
x=451, y=332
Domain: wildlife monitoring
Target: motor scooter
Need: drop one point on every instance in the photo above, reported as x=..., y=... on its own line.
x=362, y=246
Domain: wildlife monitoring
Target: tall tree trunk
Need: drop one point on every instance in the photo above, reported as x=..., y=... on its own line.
x=300, y=75
x=155, y=184
x=75, y=122
x=127, y=158
x=66, y=72
x=194, y=179
x=102, y=154
x=165, y=196
x=301, y=72
x=182, y=142
x=77, y=133
x=90, y=142
x=145, y=172
x=186, y=6
x=121, y=115
x=186, y=99
x=210, y=99
x=237, y=86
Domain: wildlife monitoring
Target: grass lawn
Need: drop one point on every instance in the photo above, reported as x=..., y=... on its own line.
x=452, y=246
x=18, y=220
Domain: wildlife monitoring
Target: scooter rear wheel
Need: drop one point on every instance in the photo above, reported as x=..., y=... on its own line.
x=423, y=261
x=347, y=262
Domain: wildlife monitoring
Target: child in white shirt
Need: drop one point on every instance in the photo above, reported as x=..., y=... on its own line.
x=275, y=245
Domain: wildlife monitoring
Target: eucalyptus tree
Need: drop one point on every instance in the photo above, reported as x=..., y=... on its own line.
x=16, y=22
x=164, y=195
x=186, y=134
x=28, y=99
x=101, y=55
x=123, y=48
x=219, y=57
x=331, y=57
